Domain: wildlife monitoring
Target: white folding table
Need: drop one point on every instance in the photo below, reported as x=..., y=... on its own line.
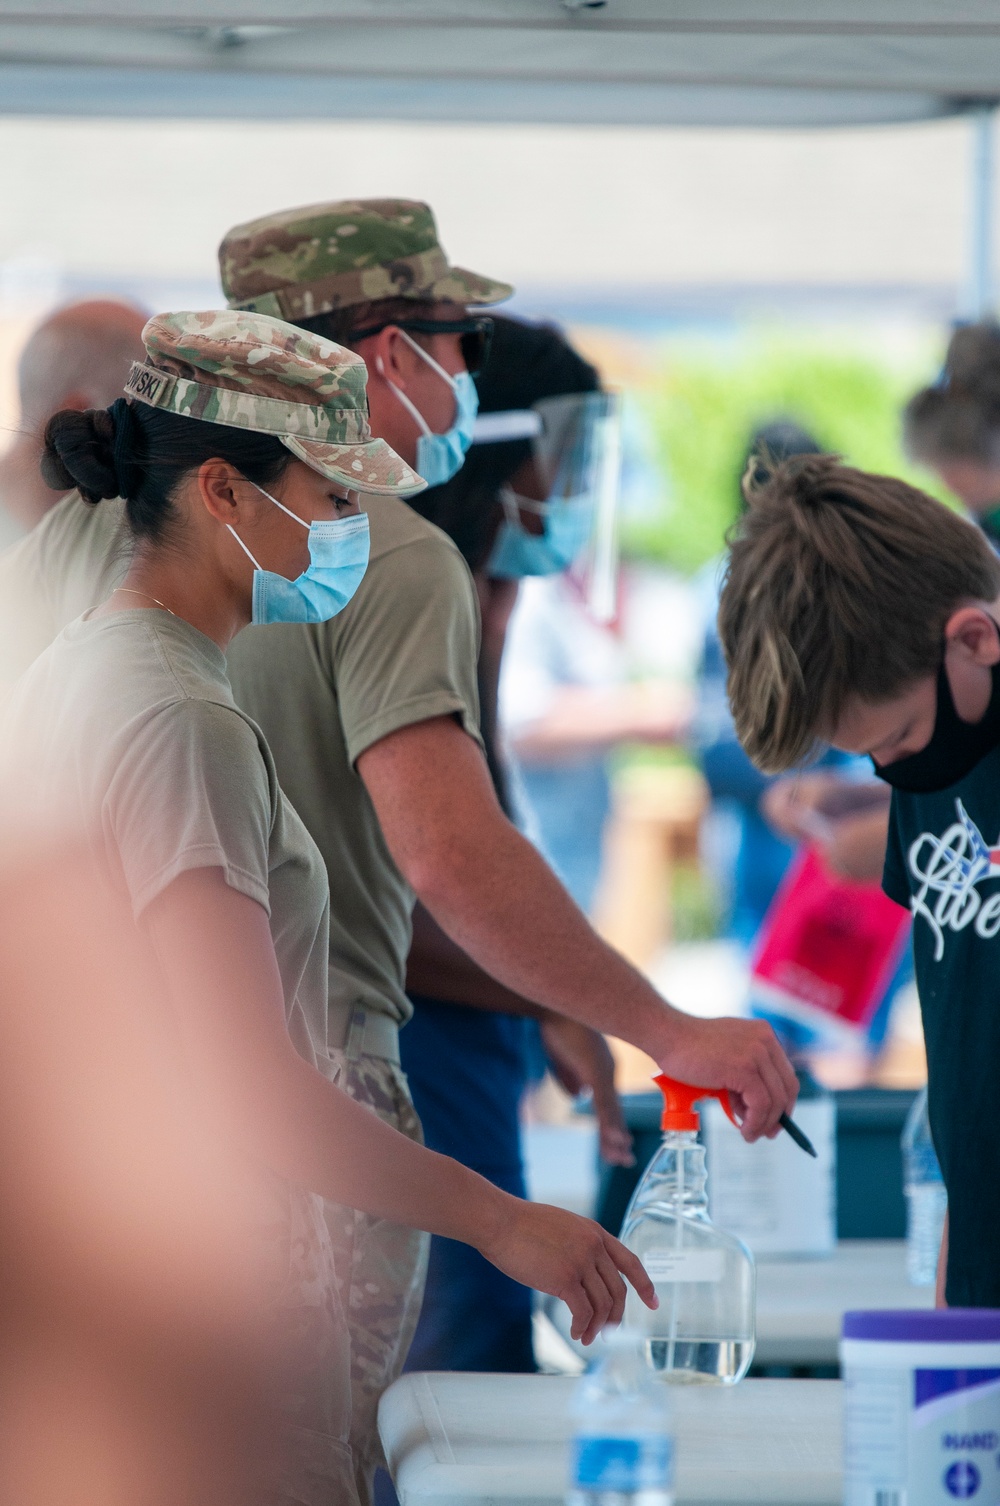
x=800, y=1303
x=490, y=1440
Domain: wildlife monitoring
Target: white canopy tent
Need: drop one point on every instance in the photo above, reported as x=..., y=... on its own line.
x=780, y=63
x=651, y=62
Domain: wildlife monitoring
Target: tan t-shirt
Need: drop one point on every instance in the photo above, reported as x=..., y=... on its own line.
x=70, y=562
x=402, y=651
x=125, y=728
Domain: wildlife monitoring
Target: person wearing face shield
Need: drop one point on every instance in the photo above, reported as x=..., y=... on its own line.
x=372, y=719
x=469, y=1047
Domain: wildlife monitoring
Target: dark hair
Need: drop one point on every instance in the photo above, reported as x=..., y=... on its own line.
x=527, y=362
x=839, y=584
x=958, y=417
x=772, y=442
x=339, y=324
x=139, y=453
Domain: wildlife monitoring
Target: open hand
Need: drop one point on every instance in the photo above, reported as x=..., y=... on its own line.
x=569, y=1257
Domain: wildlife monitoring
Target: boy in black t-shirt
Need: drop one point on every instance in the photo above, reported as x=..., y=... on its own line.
x=860, y=612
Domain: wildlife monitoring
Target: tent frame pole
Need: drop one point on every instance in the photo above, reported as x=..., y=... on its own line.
x=980, y=295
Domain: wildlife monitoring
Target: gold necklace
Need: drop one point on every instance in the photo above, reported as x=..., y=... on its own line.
x=155, y=599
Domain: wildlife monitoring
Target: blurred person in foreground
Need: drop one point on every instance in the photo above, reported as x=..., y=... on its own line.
x=860, y=611
x=79, y=357
x=467, y=1050
x=953, y=426
x=136, y=1348
x=238, y=441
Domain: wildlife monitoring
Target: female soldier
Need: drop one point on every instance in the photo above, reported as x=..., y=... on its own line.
x=239, y=455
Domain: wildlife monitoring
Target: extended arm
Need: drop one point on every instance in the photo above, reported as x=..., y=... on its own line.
x=216, y=953
x=498, y=899
x=593, y=719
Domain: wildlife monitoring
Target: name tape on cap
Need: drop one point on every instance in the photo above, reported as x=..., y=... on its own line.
x=147, y=384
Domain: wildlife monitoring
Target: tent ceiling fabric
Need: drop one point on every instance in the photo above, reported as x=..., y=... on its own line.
x=657, y=62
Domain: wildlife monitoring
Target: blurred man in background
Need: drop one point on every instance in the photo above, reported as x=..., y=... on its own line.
x=953, y=425
x=77, y=358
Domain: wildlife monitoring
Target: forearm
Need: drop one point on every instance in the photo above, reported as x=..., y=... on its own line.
x=314, y=1134
x=502, y=904
x=584, y=719
x=440, y=969
x=498, y=900
x=222, y=981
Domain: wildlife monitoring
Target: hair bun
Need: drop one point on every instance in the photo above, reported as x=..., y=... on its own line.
x=79, y=451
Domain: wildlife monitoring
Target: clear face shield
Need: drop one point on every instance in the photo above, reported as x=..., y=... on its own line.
x=561, y=507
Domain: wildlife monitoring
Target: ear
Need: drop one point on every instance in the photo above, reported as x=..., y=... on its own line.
x=225, y=493
x=974, y=634
x=389, y=356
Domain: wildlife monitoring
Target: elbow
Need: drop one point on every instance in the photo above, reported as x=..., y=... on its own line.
x=438, y=873
x=445, y=871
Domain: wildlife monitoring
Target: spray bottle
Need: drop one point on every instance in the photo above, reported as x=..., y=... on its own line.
x=703, y=1330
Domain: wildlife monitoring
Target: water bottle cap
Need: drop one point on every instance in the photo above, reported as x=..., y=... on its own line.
x=679, y=1099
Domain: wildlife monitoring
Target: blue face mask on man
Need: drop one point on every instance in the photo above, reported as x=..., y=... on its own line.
x=338, y=559
x=567, y=523
x=441, y=456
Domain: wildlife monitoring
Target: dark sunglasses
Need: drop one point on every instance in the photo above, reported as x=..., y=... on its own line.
x=476, y=333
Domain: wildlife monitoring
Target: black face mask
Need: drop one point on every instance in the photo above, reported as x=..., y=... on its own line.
x=955, y=746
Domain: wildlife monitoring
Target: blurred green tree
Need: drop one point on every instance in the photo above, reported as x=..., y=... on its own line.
x=699, y=415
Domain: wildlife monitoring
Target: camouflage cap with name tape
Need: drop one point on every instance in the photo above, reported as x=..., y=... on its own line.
x=251, y=372
x=305, y=262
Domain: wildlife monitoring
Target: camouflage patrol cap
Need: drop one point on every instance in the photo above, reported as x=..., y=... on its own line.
x=305, y=262
x=251, y=372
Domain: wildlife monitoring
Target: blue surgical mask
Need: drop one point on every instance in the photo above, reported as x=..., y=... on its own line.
x=441, y=456
x=338, y=559
x=566, y=528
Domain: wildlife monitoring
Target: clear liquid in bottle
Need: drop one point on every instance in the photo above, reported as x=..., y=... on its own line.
x=703, y=1332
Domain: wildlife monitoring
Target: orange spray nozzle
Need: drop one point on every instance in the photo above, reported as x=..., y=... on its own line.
x=679, y=1099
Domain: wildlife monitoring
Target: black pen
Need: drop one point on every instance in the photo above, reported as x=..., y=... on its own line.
x=801, y=1140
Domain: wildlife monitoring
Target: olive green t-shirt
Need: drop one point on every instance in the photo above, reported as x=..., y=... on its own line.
x=125, y=730
x=402, y=651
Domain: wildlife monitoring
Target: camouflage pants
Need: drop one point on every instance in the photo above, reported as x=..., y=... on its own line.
x=380, y=1270
x=315, y=1466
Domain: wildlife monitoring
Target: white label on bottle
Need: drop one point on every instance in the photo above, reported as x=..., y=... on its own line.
x=779, y=1201
x=683, y=1265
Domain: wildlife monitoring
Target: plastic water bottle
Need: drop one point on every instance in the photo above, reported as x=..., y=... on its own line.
x=704, y=1328
x=623, y=1446
x=926, y=1199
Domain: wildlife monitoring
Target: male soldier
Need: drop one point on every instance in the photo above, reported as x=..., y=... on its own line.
x=76, y=358
x=372, y=719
